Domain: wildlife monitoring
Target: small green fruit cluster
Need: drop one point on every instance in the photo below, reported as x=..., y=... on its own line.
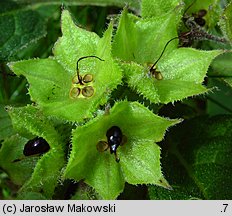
x=82, y=86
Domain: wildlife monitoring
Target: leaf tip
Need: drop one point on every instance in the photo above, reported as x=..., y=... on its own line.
x=162, y=182
x=10, y=65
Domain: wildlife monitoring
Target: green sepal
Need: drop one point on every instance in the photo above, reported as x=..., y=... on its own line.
x=51, y=79
x=129, y=43
x=183, y=72
x=139, y=156
x=30, y=122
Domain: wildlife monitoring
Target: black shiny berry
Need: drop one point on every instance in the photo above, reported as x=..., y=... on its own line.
x=35, y=146
x=202, y=13
x=114, y=138
x=200, y=21
x=198, y=18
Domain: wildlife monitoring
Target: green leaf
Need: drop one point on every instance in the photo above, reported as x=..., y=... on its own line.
x=226, y=22
x=139, y=156
x=154, y=8
x=197, y=162
x=19, y=28
x=51, y=79
x=30, y=122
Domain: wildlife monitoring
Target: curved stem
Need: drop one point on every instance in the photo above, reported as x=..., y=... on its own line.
x=84, y=57
x=152, y=67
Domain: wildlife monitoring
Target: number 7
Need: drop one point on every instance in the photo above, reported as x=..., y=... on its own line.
x=225, y=207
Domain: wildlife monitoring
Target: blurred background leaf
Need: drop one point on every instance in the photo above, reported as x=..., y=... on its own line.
x=19, y=27
x=197, y=160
